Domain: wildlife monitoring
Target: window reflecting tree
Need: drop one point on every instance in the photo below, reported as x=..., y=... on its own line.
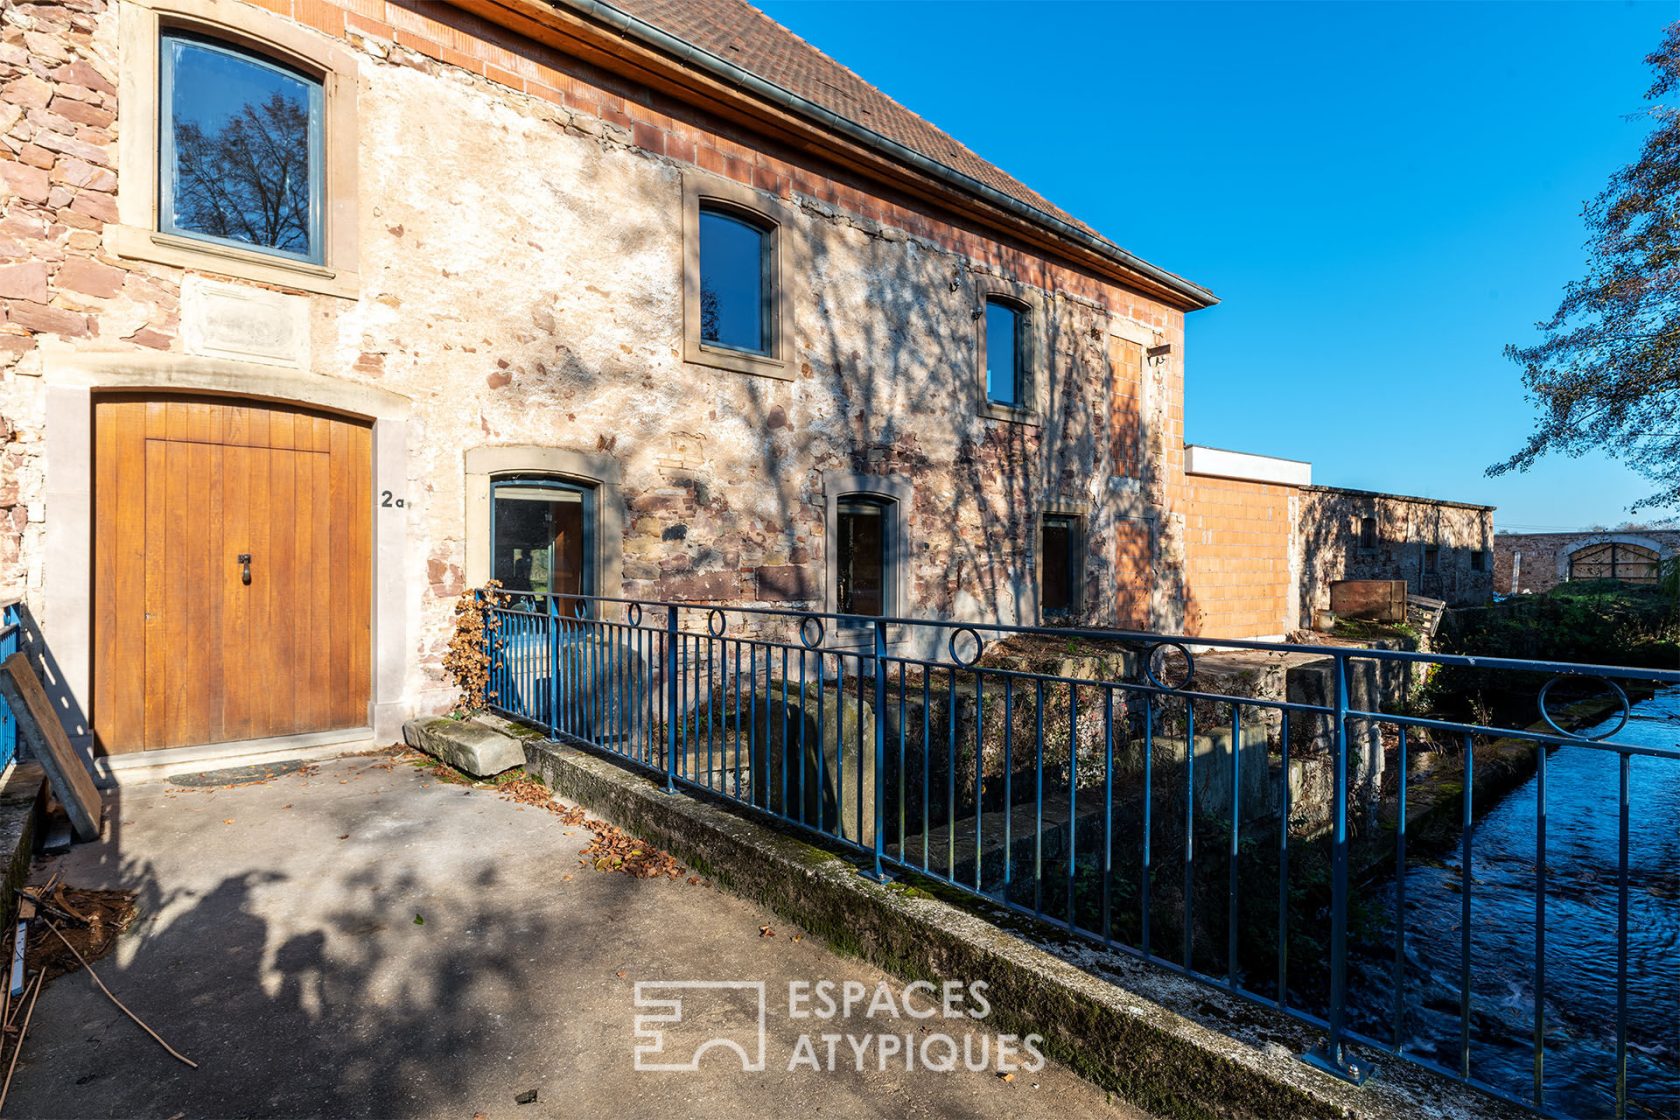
x=249, y=179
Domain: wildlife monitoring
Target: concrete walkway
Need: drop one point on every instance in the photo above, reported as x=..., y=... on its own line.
x=365, y=940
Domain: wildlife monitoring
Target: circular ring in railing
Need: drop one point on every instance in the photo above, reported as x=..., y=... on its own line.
x=716, y=624
x=633, y=614
x=1159, y=649
x=951, y=646
x=1621, y=698
x=805, y=638
x=581, y=609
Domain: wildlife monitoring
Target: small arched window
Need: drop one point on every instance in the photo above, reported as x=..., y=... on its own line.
x=737, y=281
x=864, y=554
x=1005, y=358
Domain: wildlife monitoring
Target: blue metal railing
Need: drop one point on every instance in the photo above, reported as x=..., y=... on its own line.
x=10, y=638
x=1253, y=838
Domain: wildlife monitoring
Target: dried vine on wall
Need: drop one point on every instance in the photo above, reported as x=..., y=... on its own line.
x=468, y=659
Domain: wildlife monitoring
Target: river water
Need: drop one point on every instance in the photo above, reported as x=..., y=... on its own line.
x=1582, y=787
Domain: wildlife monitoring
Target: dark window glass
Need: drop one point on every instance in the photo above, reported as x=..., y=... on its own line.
x=1058, y=561
x=1003, y=353
x=1431, y=557
x=1367, y=532
x=241, y=149
x=864, y=527
x=735, y=279
x=1478, y=561
x=542, y=537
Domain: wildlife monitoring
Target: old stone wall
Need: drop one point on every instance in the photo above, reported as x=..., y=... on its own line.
x=520, y=224
x=1532, y=563
x=1442, y=549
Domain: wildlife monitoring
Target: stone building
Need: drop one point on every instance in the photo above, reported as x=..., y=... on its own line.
x=1265, y=543
x=317, y=313
x=1532, y=563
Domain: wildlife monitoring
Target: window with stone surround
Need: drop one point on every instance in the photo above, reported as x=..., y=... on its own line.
x=236, y=146
x=240, y=140
x=1367, y=534
x=542, y=533
x=736, y=309
x=865, y=529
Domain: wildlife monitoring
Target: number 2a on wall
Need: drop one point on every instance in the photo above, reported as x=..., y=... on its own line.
x=387, y=501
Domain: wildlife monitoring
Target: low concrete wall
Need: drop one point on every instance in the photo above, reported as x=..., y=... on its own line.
x=1169, y=1045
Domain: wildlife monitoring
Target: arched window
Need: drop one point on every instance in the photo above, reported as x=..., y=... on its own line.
x=241, y=149
x=1005, y=360
x=865, y=526
x=737, y=281
x=865, y=533
x=737, y=314
x=542, y=534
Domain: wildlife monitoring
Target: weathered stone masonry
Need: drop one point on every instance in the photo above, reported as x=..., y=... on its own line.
x=542, y=308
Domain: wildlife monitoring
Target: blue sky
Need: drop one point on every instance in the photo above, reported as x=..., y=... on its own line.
x=1382, y=195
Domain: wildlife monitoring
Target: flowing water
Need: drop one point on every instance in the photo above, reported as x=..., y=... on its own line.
x=1580, y=962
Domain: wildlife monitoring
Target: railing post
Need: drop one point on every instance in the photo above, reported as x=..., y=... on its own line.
x=1331, y=1055
x=553, y=667
x=877, y=872
x=671, y=713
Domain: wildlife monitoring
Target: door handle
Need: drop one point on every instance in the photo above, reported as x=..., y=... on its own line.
x=244, y=561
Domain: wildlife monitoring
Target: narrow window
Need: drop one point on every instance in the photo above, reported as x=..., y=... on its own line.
x=1478, y=560
x=1431, y=557
x=863, y=555
x=1367, y=533
x=736, y=283
x=240, y=149
x=542, y=533
x=1058, y=566
x=1003, y=354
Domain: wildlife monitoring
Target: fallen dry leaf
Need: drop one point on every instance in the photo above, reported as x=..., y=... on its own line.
x=228, y=821
x=766, y=931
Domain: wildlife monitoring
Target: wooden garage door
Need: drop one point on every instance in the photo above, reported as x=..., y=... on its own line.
x=192, y=642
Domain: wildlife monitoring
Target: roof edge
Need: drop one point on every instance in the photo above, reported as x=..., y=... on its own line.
x=624, y=23
x=1419, y=498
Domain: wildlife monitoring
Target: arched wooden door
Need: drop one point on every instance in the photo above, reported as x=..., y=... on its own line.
x=232, y=575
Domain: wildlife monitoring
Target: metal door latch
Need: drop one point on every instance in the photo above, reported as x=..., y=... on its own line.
x=244, y=560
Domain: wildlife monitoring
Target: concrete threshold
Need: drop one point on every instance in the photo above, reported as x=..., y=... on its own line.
x=1170, y=1045
x=112, y=771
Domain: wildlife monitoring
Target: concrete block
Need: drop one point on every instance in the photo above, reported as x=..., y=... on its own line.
x=467, y=745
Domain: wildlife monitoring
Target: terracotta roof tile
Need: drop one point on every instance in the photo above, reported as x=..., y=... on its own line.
x=742, y=35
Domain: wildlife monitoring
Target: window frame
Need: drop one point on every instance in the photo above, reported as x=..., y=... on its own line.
x=542, y=480
x=710, y=193
x=598, y=471
x=886, y=511
x=1018, y=313
x=166, y=153
x=1078, y=512
x=1359, y=533
x=897, y=495
x=139, y=233
x=1031, y=349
